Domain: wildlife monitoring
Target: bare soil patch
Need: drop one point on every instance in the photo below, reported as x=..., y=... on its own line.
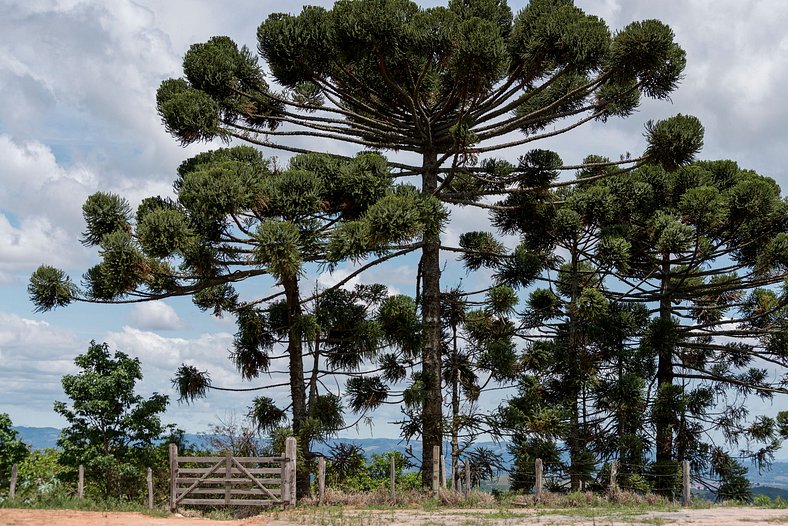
x=716, y=516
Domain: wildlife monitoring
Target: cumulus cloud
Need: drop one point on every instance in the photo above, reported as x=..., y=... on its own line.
x=34, y=355
x=156, y=315
x=77, y=116
x=40, y=206
x=160, y=357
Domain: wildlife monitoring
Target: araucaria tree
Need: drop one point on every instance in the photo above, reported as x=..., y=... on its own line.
x=236, y=217
x=448, y=84
x=706, y=248
x=111, y=430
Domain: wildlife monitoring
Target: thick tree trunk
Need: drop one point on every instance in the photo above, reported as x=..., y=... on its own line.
x=666, y=467
x=297, y=384
x=432, y=409
x=573, y=387
x=664, y=430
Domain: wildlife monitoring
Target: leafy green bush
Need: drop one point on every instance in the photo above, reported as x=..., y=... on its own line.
x=12, y=450
x=348, y=469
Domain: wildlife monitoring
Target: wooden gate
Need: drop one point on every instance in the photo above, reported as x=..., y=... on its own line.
x=233, y=481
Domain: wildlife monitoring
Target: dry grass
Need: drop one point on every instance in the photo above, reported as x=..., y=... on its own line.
x=412, y=498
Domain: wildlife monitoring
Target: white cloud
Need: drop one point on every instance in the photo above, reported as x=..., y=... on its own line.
x=156, y=315
x=77, y=116
x=34, y=355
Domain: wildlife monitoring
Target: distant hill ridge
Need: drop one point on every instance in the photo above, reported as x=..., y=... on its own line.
x=776, y=478
x=46, y=437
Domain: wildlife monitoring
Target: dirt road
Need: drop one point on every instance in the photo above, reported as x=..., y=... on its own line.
x=459, y=517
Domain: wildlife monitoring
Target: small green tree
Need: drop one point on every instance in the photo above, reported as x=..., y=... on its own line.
x=734, y=484
x=112, y=431
x=12, y=449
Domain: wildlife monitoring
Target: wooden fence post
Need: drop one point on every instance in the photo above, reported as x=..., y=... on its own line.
x=538, y=469
x=436, y=453
x=12, y=488
x=467, y=479
x=686, y=495
x=228, y=474
x=290, y=453
x=81, y=482
x=613, y=475
x=149, y=479
x=321, y=479
x=392, y=475
x=173, y=475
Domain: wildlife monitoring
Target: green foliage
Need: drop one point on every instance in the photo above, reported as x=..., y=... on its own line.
x=400, y=323
x=366, y=392
x=348, y=469
x=104, y=214
x=502, y=299
x=191, y=383
x=734, y=485
x=111, y=430
x=674, y=142
x=278, y=248
x=265, y=415
x=162, y=232
x=39, y=474
x=12, y=449
x=481, y=249
x=50, y=287
x=446, y=84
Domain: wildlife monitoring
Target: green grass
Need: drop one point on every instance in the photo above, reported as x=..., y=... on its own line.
x=65, y=502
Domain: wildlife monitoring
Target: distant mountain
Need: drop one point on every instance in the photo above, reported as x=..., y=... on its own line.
x=38, y=437
x=771, y=482
x=45, y=437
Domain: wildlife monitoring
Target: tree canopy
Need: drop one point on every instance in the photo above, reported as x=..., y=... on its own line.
x=111, y=430
x=447, y=85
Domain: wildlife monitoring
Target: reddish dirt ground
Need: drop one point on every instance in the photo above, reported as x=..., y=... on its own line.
x=696, y=517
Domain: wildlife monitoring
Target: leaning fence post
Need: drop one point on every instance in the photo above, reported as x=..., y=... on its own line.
x=436, y=453
x=392, y=476
x=12, y=488
x=538, y=469
x=613, y=475
x=173, y=476
x=321, y=479
x=81, y=482
x=467, y=479
x=686, y=495
x=290, y=453
x=149, y=479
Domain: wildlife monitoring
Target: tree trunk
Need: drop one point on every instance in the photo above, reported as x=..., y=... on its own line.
x=666, y=468
x=432, y=409
x=297, y=384
x=573, y=387
x=664, y=430
x=455, y=415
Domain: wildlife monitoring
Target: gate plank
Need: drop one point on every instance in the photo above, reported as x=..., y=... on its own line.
x=242, y=468
x=233, y=502
x=220, y=491
x=222, y=480
x=215, y=467
x=257, y=471
x=211, y=460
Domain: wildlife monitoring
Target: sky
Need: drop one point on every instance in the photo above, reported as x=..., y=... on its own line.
x=77, y=115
